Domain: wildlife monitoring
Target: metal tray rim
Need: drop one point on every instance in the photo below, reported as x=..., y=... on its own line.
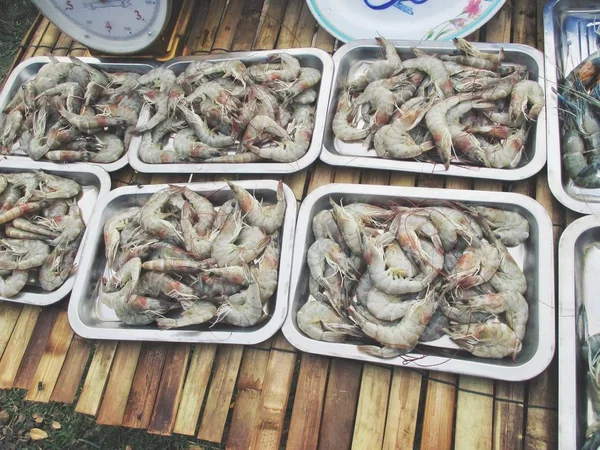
x=545, y=351
x=535, y=164
x=11, y=80
x=567, y=334
x=555, y=172
x=104, y=182
x=189, y=336
x=255, y=168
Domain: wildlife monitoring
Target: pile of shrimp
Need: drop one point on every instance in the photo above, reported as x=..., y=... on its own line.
x=225, y=112
x=580, y=112
x=40, y=230
x=179, y=261
x=470, y=108
x=590, y=350
x=407, y=275
x=71, y=111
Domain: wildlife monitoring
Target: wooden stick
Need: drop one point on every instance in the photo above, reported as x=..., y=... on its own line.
x=169, y=391
x=18, y=343
x=249, y=388
x=403, y=409
x=341, y=401
x=228, y=25
x=114, y=403
x=209, y=31
x=93, y=387
x=439, y=412
x=273, y=401
x=194, y=388
x=472, y=433
x=55, y=353
x=9, y=314
x=308, y=403
x=271, y=24
x=145, y=385
x=372, y=407
x=508, y=415
x=222, y=384
x=247, y=27
x=35, y=349
x=72, y=371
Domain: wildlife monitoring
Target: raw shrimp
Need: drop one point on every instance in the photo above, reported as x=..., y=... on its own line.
x=186, y=146
x=21, y=210
x=154, y=284
x=509, y=276
x=401, y=336
x=343, y=122
x=388, y=307
x=411, y=223
x=152, y=219
x=477, y=265
x=57, y=267
x=267, y=271
x=525, y=92
x=314, y=319
x=152, y=153
x=243, y=309
x=487, y=340
x=29, y=253
x=197, y=313
x=173, y=265
x=349, y=226
x=203, y=133
x=390, y=281
x=440, y=131
x=470, y=50
x=12, y=284
x=380, y=69
x=112, y=231
x=268, y=217
x=384, y=103
x=436, y=70
x=510, y=153
x=287, y=70
x=325, y=226
x=510, y=227
x=325, y=252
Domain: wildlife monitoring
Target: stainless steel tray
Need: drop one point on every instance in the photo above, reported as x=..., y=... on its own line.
x=91, y=319
x=352, y=59
x=535, y=256
x=578, y=268
x=569, y=38
x=308, y=57
x=95, y=183
x=30, y=67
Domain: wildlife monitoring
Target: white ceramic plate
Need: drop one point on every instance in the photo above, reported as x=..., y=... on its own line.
x=444, y=20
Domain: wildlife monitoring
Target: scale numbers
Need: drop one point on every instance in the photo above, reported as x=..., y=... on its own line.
x=111, y=19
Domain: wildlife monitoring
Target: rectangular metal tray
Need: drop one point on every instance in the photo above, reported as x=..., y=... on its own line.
x=30, y=67
x=578, y=268
x=569, y=38
x=535, y=256
x=95, y=183
x=352, y=59
x=308, y=57
x=90, y=319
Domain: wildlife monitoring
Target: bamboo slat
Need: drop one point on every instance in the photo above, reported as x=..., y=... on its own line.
x=542, y=416
x=524, y=22
x=308, y=403
x=93, y=386
x=48, y=41
x=196, y=27
x=51, y=362
x=498, y=28
x=169, y=391
x=341, y=401
x=403, y=409
x=36, y=38
x=9, y=314
x=72, y=371
x=211, y=24
x=18, y=343
x=439, y=412
x=35, y=349
x=470, y=433
x=247, y=27
x=273, y=402
x=228, y=26
x=119, y=383
x=194, y=388
x=372, y=407
x=247, y=401
x=218, y=401
x=145, y=385
x=508, y=415
x=267, y=35
x=63, y=45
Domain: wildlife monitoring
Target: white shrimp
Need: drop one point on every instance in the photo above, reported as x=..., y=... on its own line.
x=268, y=217
x=487, y=340
x=314, y=319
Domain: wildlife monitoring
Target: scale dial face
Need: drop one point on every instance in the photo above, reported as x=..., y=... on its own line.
x=112, y=26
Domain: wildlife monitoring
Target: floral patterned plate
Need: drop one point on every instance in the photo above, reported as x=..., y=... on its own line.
x=429, y=20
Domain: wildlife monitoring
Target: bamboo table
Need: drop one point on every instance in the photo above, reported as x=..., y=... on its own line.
x=269, y=396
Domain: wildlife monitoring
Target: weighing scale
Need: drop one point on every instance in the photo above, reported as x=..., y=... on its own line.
x=122, y=27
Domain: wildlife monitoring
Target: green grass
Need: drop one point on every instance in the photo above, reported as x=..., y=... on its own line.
x=16, y=18
x=77, y=431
